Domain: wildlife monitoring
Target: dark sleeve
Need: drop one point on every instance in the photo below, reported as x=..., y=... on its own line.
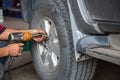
x=2, y=29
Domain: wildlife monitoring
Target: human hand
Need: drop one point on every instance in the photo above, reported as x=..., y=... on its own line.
x=14, y=49
x=39, y=39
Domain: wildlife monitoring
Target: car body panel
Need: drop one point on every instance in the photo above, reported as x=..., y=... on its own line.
x=91, y=20
x=26, y=7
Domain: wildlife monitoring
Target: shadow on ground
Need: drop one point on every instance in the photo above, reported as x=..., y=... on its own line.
x=107, y=71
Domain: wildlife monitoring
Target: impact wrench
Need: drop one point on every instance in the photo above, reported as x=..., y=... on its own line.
x=20, y=37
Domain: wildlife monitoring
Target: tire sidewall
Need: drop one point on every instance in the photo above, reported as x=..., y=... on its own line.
x=51, y=11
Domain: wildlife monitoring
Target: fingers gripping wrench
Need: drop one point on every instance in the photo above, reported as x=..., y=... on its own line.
x=19, y=37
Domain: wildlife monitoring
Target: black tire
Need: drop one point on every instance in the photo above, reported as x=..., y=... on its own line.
x=67, y=68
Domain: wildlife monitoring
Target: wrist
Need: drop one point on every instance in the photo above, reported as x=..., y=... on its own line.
x=6, y=51
x=32, y=31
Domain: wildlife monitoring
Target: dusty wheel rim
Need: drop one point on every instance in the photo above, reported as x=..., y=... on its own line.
x=49, y=51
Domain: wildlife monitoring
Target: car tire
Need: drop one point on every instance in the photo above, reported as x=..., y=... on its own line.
x=55, y=59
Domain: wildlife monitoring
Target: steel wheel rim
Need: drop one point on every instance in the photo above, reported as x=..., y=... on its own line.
x=49, y=51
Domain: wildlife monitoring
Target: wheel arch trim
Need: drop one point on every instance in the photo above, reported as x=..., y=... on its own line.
x=79, y=10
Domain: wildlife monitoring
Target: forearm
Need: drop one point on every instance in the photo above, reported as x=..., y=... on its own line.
x=5, y=34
